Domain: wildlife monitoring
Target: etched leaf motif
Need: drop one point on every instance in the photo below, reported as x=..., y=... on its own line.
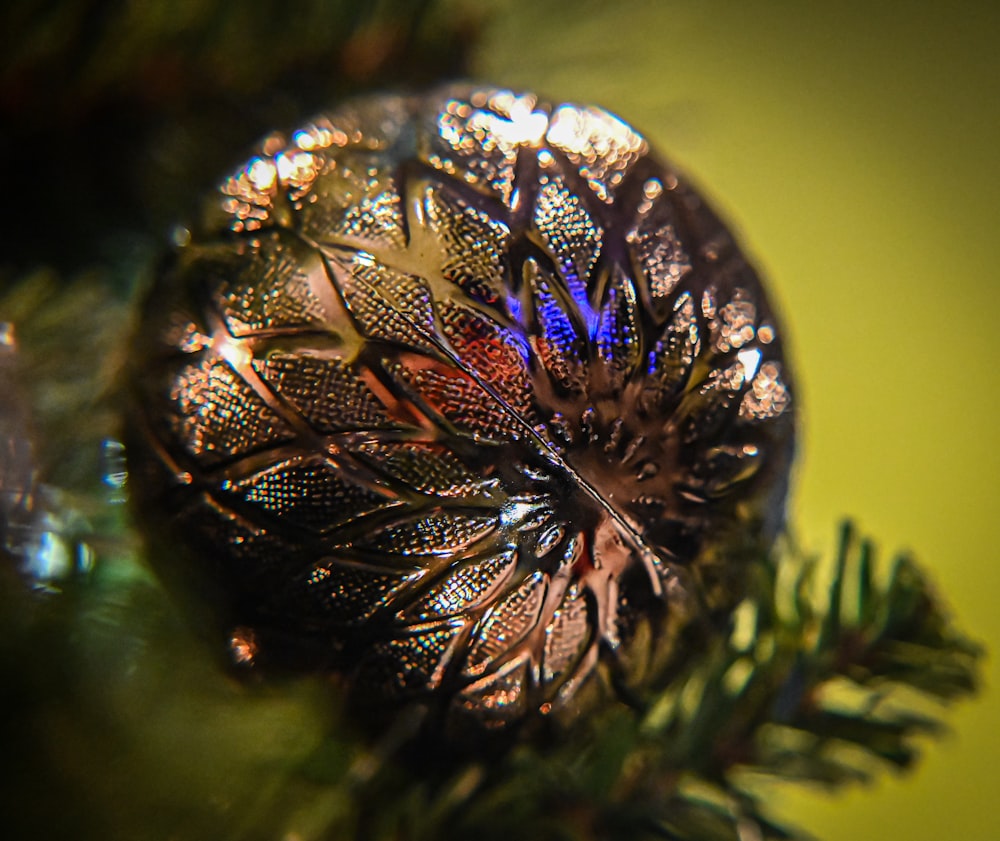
x=480, y=410
x=617, y=339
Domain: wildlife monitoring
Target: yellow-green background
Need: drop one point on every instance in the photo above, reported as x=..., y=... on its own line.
x=856, y=148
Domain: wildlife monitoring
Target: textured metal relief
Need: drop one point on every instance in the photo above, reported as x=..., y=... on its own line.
x=467, y=395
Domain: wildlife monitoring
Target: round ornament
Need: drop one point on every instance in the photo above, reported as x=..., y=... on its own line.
x=466, y=396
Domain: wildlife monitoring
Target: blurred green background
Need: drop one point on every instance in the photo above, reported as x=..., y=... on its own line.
x=856, y=147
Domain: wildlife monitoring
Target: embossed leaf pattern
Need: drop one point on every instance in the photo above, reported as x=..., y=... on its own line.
x=465, y=391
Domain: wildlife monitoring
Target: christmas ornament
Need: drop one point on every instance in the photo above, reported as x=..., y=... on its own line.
x=466, y=396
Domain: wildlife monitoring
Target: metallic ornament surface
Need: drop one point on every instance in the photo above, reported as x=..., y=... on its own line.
x=466, y=395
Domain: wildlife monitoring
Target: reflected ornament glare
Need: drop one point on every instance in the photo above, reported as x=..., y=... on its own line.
x=17, y=471
x=467, y=396
x=40, y=534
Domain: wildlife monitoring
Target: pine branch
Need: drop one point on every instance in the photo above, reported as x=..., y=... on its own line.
x=810, y=685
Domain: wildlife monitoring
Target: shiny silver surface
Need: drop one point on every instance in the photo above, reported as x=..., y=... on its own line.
x=469, y=395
